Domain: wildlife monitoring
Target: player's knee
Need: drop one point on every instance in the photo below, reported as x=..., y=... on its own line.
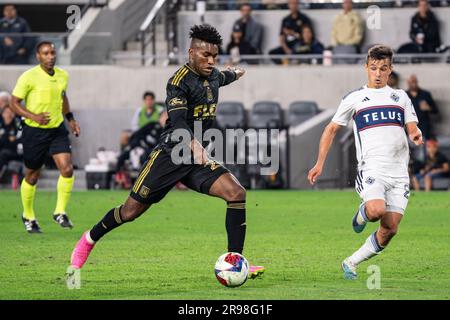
x=32, y=177
x=375, y=213
x=237, y=193
x=67, y=171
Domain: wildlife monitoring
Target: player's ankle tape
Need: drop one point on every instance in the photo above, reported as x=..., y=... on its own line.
x=236, y=204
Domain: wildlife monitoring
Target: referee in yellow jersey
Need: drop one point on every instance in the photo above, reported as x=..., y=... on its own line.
x=43, y=88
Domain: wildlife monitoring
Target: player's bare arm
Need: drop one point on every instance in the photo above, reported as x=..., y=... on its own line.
x=414, y=133
x=324, y=147
x=41, y=118
x=73, y=124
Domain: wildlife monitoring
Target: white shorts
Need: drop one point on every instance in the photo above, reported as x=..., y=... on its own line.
x=371, y=185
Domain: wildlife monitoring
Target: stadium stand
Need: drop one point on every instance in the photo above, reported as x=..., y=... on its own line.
x=300, y=111
x=100, y=95
x=444, y=147
x=266, y=114
x=231, y=115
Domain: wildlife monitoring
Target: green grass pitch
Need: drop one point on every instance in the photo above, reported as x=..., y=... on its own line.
x=169, y=253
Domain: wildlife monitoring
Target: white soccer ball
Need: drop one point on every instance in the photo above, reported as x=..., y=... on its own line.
x=231, y=269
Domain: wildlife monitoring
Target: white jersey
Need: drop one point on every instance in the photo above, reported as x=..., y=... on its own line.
x=380, y=116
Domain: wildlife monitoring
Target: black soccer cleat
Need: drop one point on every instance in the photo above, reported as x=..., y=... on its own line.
x=63, y=220
x=31, y=226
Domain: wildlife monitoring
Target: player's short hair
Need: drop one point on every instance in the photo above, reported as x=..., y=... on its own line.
x=380, y=52
x=206, y=33
x=43, y=43
x=148, y=94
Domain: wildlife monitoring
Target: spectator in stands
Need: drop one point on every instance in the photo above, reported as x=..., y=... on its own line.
x=150, y=112
x=424, y=30
x=9, y=138
x=239, y=46
x=424, y=105
x=394, y=79
x=308, y=44
x=435, y=166
x=252, y=31
x=290, y=34
x=15, y=49
x=347, y=27
x=146, y=126
x=4, y=100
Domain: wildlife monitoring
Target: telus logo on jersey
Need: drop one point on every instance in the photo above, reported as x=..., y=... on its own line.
x=379, y=116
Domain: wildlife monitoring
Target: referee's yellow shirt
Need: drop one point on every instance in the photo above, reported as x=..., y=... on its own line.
x=43, y=93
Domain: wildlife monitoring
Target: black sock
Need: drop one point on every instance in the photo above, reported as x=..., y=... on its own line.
x=109, y=222
x=235, y=225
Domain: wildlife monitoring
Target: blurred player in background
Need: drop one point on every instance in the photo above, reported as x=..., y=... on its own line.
x=380, y=115
x=43, y=88
x=192, y=96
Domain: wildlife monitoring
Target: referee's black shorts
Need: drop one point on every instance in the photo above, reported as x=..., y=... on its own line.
x=38, y=143
x=159, y=175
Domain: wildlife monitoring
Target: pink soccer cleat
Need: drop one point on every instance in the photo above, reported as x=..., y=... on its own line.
x=255, y=271
x=81, y=252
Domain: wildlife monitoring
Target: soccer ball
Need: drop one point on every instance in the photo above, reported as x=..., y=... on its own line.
x=231, y=269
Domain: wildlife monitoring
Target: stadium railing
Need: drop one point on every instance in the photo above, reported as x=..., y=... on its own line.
x=265, y=59
x=307, y=4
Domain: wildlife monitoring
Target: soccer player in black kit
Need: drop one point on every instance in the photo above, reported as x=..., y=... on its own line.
x=192, y=95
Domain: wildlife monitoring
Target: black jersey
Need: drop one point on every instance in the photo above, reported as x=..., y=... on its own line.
x=190, y=98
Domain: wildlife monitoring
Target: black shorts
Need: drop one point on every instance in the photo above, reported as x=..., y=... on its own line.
x=159, y=175
x=39, y=143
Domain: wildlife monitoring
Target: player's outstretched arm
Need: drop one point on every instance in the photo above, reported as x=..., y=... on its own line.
x=230, y=75
x=414, y=133
x=325, y=143
x=238, y=71
x=16, y=107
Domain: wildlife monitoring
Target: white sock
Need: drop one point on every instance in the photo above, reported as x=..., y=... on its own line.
x=369, y=249
x=88, y=238
x=361, y=218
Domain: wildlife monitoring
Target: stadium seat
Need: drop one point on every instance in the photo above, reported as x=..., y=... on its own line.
x=230, y=114
x=344, y=50
x=444, y=147
x=300, y=111
x=266, y=114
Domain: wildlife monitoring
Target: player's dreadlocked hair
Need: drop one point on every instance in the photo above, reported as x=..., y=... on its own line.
x=380, y=52
x=207, y=33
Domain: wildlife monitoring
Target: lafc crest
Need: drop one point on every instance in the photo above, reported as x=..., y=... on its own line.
x=209, y=94
x=212, y=164
x=144, y=192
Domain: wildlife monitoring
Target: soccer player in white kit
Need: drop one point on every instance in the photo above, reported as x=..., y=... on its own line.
x=380, y=115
